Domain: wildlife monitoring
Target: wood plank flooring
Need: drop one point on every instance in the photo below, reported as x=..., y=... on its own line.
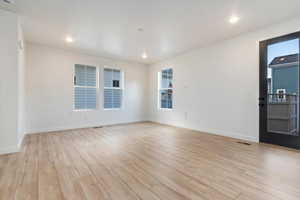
x=147, y=161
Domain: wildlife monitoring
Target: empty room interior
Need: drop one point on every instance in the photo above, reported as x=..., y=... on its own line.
x=149, y=100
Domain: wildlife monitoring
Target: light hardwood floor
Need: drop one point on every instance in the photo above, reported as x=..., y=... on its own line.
x=147, y=161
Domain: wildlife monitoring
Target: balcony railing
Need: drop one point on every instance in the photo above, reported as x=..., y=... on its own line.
x=282, y=98
x=283, y=114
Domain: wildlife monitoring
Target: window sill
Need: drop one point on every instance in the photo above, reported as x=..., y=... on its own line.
x=165, y=109
x=84, y=110
x=112, y=109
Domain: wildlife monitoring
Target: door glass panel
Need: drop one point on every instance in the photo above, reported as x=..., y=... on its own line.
x=283, y=88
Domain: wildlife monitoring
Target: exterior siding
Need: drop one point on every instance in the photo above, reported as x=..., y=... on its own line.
x=286, y=78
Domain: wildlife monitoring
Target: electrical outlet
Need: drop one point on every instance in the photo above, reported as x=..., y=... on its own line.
x=185, y=115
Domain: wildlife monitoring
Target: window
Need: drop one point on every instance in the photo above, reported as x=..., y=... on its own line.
x=85, y=87
x=113, y=91
x=165, y=89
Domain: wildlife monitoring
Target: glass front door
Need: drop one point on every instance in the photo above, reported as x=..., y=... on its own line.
x=279, y=91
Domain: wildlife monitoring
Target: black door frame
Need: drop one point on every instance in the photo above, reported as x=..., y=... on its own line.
x=264, y=136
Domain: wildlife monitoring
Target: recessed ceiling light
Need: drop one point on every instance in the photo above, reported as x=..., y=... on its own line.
x=69, y=39
x=234, y=19
x=144, y=55
x=9, y=1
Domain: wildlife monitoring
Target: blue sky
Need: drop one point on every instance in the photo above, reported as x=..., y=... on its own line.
x=282, y=49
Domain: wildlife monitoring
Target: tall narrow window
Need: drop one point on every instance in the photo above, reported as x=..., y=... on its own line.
x=166, y=89
x=113, y=91
x=85, y=87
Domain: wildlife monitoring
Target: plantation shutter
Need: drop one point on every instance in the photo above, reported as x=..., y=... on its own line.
x=85, y=87
x=166, y=89
x=112, y=89
x=108, y=77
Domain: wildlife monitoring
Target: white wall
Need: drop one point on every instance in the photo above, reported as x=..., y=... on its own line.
x=217, y=87
x=49, y=91
x=8, y=82
x=21, y=85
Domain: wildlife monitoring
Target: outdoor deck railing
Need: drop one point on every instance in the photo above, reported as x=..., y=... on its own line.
x=282, y=98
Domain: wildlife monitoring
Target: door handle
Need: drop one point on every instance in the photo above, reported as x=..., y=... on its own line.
x=261, y=101
x=261, y=104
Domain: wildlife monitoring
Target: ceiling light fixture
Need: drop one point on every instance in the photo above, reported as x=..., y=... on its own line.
x=69, y=39
x=234, y=19
x=144, y=55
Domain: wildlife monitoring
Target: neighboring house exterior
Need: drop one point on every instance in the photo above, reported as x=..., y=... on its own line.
x=285, y=74
x=283, y=89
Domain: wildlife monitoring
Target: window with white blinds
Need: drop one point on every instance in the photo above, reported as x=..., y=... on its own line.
x=113, y=91
x=165, y=89
x=85, y=87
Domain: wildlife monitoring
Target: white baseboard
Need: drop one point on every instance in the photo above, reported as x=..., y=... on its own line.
x=9, y=150
x=215, y=132
x=12, y=149
x=205, y=130
x=21, y=141
x=230, y=134
x=65, y=128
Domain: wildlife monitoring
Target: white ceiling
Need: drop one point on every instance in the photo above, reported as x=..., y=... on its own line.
x=109, y=27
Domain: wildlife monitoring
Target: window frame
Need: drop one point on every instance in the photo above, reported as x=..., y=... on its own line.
x=159, y=89
x=121, y=87
x=79, y=86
